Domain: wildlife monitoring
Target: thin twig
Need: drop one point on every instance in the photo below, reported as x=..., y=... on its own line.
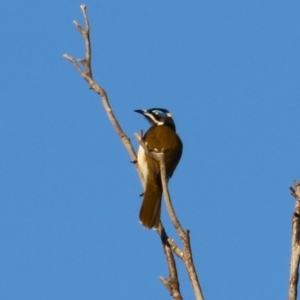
x=295, y=257
x=86, y=73
x=171, y=283
x=176, y=250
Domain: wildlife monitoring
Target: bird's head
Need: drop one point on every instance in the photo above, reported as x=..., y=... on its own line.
x=158, y=116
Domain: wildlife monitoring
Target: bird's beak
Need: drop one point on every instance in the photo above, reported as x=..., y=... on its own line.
x=140, y=111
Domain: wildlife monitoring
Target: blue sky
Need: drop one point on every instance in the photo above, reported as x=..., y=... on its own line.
x=229, y=72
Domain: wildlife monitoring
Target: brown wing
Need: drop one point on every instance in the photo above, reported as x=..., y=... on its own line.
x=163, y=137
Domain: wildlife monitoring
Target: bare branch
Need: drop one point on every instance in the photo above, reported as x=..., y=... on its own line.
x=86, y=73
x=295, y=257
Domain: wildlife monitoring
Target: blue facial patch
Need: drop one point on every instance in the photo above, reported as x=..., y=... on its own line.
x=159, y=113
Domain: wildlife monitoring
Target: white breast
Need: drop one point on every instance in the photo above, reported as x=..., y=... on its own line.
x=142, y=163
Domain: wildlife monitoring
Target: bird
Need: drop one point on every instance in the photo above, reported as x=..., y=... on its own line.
x=161, y=136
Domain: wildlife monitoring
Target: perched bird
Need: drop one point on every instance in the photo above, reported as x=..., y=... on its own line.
x=160, y=136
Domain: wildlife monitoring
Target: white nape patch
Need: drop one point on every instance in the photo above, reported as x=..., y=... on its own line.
x=168, y=114
x=142, y=163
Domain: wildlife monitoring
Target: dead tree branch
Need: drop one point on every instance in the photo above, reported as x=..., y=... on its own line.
x=83, y=66
x=295, y=257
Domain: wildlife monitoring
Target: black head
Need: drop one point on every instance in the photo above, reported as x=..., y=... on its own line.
x=158, y=116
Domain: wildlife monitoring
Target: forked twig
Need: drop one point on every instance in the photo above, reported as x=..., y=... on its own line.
x=85, y=70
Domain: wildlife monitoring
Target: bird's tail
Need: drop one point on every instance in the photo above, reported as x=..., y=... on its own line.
x=151, y=206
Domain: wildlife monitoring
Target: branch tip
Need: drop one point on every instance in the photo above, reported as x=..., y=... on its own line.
x=68, y=57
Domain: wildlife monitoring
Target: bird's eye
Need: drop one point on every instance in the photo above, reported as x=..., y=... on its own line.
x=159, y=113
